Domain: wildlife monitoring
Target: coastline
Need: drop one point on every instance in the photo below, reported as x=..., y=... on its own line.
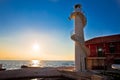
x=33, y=72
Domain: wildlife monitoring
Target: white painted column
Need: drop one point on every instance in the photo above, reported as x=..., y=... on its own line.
x=79, y=24
x=79, y=53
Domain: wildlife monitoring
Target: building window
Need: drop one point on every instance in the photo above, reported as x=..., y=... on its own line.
x=112, y=48
x=100, y=51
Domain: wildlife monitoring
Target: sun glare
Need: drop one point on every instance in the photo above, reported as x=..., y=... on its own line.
x=36, y=47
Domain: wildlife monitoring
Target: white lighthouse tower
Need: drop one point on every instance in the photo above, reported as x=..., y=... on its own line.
x=78, y=37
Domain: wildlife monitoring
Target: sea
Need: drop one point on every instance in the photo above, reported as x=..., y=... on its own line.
x=16, y=64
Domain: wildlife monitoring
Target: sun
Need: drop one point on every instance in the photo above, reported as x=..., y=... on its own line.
x=36, y=47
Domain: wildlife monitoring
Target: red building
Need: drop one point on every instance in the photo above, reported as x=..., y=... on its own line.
x=103, y=51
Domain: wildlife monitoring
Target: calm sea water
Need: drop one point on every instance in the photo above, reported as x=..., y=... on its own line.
x=16, y=64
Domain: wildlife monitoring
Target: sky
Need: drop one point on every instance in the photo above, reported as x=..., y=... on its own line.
x=45, y=23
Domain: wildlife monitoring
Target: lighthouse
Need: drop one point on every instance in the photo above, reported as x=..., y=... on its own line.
x=78, y=37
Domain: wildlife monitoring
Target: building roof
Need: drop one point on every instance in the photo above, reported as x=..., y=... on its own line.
x=104, y=39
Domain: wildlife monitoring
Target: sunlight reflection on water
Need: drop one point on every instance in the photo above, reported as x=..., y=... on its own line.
x=35, y=63
x=16, y=64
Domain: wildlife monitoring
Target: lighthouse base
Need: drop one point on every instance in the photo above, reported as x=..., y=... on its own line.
x=80, y=62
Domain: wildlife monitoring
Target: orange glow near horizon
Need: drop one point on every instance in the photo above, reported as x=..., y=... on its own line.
x=30, y=47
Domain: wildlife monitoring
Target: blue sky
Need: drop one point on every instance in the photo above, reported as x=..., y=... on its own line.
x=46, y=21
